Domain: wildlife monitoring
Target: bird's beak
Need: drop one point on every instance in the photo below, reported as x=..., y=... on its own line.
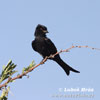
x=45, y=31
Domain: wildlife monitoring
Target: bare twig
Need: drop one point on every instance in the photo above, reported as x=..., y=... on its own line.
x=44, y=60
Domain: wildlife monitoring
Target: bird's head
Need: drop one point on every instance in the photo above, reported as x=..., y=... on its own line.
x=41, y=30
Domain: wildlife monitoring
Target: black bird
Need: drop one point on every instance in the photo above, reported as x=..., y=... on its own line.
x=45, y=47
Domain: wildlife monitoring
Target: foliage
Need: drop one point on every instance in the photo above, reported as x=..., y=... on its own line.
x=27, y=68
x=4, y=93
x=7, y=71
x=6, y=77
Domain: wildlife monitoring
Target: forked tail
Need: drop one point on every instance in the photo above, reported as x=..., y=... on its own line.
x=65, y=67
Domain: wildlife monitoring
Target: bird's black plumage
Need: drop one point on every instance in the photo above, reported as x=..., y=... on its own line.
x=46, y=47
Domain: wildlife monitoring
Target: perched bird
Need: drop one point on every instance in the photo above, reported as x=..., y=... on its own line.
x=45, y=47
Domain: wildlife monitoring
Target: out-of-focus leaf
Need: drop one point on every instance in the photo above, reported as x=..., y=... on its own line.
x=4, y=93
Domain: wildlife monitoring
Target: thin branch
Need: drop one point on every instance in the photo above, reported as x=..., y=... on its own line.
x=43, y=61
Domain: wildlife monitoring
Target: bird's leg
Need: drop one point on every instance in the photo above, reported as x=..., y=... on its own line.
x=51, y=56
x=43, y=60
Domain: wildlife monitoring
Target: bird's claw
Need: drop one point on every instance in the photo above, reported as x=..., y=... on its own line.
x=51, y=56
x=43, y=60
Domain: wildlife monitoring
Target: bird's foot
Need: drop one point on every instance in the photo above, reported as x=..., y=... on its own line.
x=44, y=60
x=51, y=56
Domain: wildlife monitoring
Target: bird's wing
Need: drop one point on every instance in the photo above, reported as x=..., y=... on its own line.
x=50, y=45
